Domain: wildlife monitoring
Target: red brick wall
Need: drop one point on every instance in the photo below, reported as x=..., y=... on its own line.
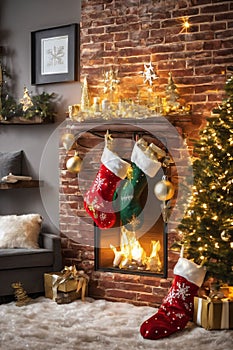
x=124, y=35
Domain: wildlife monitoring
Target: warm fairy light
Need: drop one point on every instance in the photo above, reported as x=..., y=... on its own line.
x=185, y=24
x=215, y=217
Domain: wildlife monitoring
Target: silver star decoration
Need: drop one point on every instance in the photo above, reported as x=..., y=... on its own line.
x=149, y=73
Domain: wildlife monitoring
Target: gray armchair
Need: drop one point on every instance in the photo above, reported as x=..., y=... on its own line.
x=29, y=265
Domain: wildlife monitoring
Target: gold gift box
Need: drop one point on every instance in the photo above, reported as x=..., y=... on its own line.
x=213, y=314
x=67, y=286
x=227, y=291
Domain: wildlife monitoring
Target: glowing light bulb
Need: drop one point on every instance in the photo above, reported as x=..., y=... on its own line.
x=185, y=24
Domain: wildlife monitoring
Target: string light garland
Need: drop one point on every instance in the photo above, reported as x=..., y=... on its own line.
x=112, y=104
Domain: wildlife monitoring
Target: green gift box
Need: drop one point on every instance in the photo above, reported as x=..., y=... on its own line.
x=213, y=314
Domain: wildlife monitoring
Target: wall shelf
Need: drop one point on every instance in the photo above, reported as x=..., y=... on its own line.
x=20, y=184
x=23, y=121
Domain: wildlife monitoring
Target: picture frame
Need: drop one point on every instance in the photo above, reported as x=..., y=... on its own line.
x=55, y=54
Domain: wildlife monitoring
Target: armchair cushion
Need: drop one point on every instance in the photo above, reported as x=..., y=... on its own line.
x=20, y=231
x=25, y=258
x=11, y=162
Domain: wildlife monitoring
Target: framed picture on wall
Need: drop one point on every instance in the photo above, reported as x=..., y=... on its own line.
x=55, y=54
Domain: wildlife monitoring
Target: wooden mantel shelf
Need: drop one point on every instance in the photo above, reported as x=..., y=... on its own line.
x=20, y=184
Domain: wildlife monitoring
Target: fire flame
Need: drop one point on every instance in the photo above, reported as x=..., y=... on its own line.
x=132, y=255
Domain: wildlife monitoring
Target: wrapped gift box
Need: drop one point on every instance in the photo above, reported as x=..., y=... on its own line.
x=213, y=314
x=52, y=285
x=227, y=291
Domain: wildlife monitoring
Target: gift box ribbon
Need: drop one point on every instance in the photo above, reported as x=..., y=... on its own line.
x=68, y=273
x=225, y=314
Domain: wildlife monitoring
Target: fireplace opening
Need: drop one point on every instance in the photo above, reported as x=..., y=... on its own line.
x=142, y=251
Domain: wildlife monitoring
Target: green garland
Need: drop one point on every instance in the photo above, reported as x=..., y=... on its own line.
x=43, y=107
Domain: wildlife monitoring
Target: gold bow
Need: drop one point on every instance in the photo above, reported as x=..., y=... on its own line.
x=69, y=273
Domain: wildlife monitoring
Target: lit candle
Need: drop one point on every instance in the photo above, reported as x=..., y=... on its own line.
x=96, y=104
x=105, y=104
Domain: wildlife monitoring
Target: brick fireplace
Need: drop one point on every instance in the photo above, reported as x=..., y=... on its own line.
x=124, y=35
x=81, y=238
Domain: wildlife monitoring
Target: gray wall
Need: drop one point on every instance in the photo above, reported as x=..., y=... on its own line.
x=39, y=143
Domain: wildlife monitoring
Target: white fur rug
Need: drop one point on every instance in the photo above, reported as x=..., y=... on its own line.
x=94, y=325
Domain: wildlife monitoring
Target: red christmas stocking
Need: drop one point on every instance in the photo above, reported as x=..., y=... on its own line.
x=177, y=307
x=98, y=199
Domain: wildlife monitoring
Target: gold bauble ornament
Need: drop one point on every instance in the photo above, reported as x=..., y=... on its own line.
x=74, y=164
x=225, y=236
x=68, y=141
x=164, y=189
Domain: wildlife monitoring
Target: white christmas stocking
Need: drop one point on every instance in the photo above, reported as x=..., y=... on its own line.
x=177, y=307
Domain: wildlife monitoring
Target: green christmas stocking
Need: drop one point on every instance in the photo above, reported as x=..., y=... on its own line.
x=143, y=164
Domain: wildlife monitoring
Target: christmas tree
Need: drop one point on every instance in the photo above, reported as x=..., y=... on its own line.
x=207, y=227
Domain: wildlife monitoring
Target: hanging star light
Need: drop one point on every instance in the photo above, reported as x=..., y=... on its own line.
x=185, y=25
x=149, y=73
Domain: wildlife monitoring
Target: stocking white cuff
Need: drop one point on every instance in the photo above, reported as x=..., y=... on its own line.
x=114, y=163
x=149, y=166
x=190, y=271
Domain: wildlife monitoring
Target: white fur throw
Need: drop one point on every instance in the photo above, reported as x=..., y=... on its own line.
x=20, y=231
